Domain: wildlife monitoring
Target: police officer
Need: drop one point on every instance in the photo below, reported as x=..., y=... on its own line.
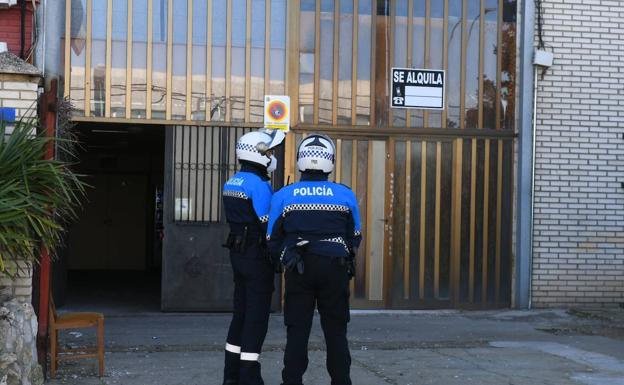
x=314, y=227
x=246, y=199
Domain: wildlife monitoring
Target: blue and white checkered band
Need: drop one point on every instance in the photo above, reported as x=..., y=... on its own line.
x=357, y=233
x=264, y=219
x=338, y=240
x=235, y=194
x=316, y=154
x=246, y=147
x=314, y=207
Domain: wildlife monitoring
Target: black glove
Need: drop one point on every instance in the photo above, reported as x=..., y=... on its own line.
x=293, y=256
x=351, y=268
x=351, y=262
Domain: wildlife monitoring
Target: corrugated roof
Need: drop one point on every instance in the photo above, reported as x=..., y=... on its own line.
x=11, y=64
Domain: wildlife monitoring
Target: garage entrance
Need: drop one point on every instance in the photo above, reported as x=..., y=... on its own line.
x=114, y=254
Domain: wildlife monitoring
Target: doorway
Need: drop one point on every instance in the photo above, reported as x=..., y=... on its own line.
x=114, y=248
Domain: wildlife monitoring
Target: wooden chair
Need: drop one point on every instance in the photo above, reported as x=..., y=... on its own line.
x=75, y=321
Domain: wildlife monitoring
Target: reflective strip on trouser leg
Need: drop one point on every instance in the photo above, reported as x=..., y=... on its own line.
x=233, y=348
x=249, y=356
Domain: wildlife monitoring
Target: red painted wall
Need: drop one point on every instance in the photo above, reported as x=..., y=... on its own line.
x=10, y=27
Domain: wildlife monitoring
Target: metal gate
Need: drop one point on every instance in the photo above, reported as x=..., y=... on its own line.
x=436, y=217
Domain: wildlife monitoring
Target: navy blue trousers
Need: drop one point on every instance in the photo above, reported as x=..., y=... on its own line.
x=324, y=283
x=253, y=288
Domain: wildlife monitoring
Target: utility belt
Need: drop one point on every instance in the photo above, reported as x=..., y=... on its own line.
x=292, y=257
x=244, y=237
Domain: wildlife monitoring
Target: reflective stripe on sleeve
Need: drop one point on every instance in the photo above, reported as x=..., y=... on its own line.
x=233, y=348
x=249, y=356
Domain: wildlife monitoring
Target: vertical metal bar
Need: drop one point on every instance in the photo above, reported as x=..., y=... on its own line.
x=291, y=85
x=486, y=223
x=189, y=59
x=388, y=257
x=499, y=206
x=481, y=62
x=373, y=66
x=456, y=213
x=317, y=60
x=212, y=167
x=427, y=60
x=182, y=151
x=391, y=48
x=87, y=88
x=408, y=223
x=248, y=61
x=129, y=63
x=175, y=171
x=228, y=63
x=464, y=47
x=438, y=199
x=205, y=129
x=196, y=172
x=369, y=216
x=67, y=80
x=220, y=168
x=473, y=216
x=499, y=64
x=445, y=50
x=208, y=97
x=267, y=47
x=354, y=168
x=354, y=61
x=109, y=53
x=336, y=59
x=338, y=167
x=410, y=49
x=423, y=218
x=150, y=56
x=169, y=86
x=188, y=175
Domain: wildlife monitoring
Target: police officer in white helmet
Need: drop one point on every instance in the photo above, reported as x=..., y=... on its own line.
x=246, y=199
x=314, y=226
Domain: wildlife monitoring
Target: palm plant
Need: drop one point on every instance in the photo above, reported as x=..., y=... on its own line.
x=37, y=195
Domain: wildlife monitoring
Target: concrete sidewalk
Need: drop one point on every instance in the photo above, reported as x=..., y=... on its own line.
x=446, y=347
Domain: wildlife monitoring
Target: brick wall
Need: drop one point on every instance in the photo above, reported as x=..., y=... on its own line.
x=19, y=92
x=18, y=286
x=10, y=28
x=579, y=199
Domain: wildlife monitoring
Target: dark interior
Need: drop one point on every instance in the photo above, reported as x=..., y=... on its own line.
x=113, y=258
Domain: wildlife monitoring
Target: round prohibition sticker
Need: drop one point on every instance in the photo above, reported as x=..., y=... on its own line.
x=277, y=110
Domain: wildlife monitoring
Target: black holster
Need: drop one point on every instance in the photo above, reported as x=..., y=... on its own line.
x=237, y=242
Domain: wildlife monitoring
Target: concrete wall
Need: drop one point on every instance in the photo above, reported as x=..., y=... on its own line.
x=579, y=200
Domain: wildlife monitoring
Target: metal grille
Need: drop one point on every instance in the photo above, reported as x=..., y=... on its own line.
x=203, y=159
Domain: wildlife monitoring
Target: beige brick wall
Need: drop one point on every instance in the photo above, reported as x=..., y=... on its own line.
x=20, y=285
x=579, y=199
x=19, y=92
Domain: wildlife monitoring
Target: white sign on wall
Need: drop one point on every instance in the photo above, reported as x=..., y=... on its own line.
x=417, y=88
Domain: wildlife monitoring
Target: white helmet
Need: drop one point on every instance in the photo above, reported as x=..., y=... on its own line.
x=253, y=146
x=316, y=152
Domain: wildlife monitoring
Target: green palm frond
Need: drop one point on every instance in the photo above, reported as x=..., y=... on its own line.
x=37, y=196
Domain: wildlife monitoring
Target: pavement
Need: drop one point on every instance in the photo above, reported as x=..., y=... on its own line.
x=555, y=347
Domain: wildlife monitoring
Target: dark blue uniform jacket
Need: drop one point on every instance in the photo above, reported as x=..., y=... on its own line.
x=246, y=199
x=322, y=212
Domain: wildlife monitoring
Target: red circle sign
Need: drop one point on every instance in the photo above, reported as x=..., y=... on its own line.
x=277, y=110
